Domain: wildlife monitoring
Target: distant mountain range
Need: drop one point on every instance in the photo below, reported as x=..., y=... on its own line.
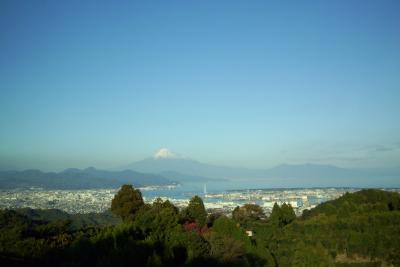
x=165, y=167
x=168, y=164
x=186, y=166
x=79, y=179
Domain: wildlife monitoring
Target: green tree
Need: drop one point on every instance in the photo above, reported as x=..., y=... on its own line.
x=287, y=214
x=127, y=202
x=212, y=218
x=275, y=214
x=330, y=209
x=226, y=248
x=195, y=211
x=248, y=212
x=157, y=220
x=281, y=216
x=227, y=227
x=188, y=246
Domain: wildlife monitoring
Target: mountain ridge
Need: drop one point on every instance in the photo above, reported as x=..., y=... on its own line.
x=309, y=173
x=73, y=178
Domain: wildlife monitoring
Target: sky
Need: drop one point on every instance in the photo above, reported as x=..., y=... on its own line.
x=237, y=83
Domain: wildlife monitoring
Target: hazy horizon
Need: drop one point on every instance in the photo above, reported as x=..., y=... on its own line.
x=226, y=83
x=173, y=155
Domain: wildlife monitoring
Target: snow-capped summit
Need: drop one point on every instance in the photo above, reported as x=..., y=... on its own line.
x=164, y=153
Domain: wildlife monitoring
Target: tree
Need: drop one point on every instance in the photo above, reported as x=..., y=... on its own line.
x=127, y=202
x=190, y=243
x=212, y=218
x=287, y=214
x=226, y=248
x=228, y=241
x=195, y=211
x=281, y=216
x=275, y=214
x=157, y=220
x=330, y=209
x=227, y=227
x=248, y=212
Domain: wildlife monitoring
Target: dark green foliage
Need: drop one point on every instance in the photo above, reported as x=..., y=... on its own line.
x=370, y=236
x=33, y=241
x=212, y=218
x=226, y=248
x=275, y=214
x=311, y=256
x=355, y=230
x=360, y=229
x=78, y=221
x=127, y=202
x=228, y=241
x=195, y=211
x=281, y=216
x=287, y=214
x=158, y=220
x=368, y=200
x=188, y=246
x=248, y=212
x=227, y=227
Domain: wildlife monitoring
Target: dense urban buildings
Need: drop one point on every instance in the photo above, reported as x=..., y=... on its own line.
x=99, y=200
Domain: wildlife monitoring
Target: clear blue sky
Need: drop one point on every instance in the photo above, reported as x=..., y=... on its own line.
x=245, y=83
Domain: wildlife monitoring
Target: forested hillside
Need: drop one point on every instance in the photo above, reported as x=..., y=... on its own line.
x=359, y=229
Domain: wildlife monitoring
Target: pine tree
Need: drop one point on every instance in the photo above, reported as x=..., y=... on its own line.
x=195, y=211
x=127, y=202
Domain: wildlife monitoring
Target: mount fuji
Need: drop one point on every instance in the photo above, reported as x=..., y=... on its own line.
x=177, y=167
